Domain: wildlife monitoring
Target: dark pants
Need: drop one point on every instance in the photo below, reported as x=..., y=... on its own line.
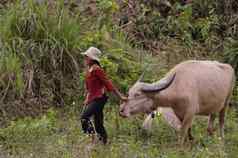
x=95, y=109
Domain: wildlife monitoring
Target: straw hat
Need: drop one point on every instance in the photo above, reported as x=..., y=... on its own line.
x=93, y=53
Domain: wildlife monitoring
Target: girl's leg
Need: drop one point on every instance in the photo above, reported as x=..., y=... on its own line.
x=98, y=120
x=85, y=118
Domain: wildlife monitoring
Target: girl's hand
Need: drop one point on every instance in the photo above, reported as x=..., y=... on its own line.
x=86, y=99
x=85, y=102
x=120, y=96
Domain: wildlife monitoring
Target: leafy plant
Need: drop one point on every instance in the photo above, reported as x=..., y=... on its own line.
x=231, y=55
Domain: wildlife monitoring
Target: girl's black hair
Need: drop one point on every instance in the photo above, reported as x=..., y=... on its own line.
x=96, y=62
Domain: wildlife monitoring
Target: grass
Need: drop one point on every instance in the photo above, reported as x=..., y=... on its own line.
x=58, y=135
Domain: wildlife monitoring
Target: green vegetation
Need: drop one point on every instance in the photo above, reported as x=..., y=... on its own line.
x=58, y=134
x=41, y=73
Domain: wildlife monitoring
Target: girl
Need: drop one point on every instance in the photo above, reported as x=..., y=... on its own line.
x=97, y=84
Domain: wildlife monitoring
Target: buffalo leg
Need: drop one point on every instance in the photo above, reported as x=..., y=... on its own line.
x=221, y=121
x=186, y=124
x=190, y=136
x=210, y=127
x=222, y=115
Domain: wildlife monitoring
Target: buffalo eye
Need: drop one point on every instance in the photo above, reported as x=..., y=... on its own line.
x=136, y=95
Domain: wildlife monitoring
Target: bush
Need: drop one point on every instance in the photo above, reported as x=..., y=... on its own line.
x=41, y=46
x=231, y=54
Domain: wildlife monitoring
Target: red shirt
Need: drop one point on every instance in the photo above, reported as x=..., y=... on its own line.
x=96, y=83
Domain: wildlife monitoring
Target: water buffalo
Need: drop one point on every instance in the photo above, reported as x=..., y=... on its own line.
x=190, y=88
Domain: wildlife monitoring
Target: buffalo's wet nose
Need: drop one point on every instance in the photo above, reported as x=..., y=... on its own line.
x=122, y=114
x=122, y=110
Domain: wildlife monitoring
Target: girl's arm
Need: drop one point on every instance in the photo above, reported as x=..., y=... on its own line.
x=108, y=83
x=119, y=95
x=86, y=99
